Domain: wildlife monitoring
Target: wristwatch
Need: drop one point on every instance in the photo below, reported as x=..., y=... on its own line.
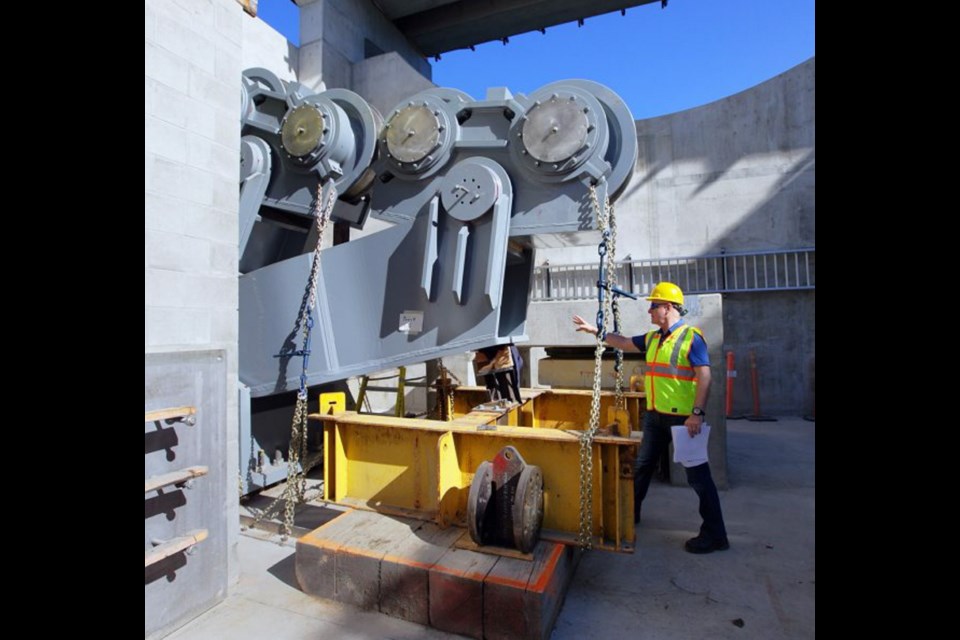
x=697, y=411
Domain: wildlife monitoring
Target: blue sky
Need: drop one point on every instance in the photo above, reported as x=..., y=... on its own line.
x=658, y=60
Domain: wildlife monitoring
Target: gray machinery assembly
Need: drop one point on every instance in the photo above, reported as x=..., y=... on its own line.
x=472, y=187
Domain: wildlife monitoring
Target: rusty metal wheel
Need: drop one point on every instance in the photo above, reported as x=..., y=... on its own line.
x=478, y=516
x=528, y=509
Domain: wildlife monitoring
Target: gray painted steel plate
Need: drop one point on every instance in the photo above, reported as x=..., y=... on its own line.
x=554, y=130
x=302, y=130
x=413, y=133
x=469, y=190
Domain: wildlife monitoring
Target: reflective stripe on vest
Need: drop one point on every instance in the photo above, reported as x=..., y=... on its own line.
x=670, y=382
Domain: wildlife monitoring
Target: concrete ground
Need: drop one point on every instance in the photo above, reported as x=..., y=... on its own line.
x=762, y=587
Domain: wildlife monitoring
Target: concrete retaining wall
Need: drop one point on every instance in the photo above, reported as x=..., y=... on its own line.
x=737, y=174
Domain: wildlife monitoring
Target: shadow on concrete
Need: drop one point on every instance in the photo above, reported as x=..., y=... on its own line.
x=286, y=570
x=769, y=455
x=164, y=502
x=162, y=438
x=166, y=568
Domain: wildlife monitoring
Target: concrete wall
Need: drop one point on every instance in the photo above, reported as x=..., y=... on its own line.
x=780, y=328
x=737, y=174
x=336, y=34
x=182, y=586
x=193, y=60
x=264, y=46
x=387, y=79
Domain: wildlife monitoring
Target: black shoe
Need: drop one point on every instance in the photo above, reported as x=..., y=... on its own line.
x=701, y=544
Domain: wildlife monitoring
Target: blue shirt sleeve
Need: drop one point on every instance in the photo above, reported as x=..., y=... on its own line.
x=698, y=352
x=640, y=342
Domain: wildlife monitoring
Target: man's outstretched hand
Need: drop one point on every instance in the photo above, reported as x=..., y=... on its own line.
x=583, y=325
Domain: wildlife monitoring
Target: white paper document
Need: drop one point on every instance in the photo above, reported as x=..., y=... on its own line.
x=690, y=451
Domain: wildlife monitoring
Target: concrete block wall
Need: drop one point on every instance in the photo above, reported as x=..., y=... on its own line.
x=193, y=60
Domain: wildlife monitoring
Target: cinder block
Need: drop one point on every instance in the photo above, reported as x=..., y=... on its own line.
x=456, y=591
x=202, y=119
x=204, y=153
x=224, y=328
x=183, y=290
x=226, y=131
x=229, y=23
x=165, y=67
x=174, y=215
x=168, y=104
x=223, y=258
x=180, y=38
x=197, y=13
x=160, y=178
x=195, y=186
x=226, y=196
x=405, y=572
x=176, y=252
x=172, y=326
x=227, y=66
x=165, y=139
x=205, y=88
x=150, y=24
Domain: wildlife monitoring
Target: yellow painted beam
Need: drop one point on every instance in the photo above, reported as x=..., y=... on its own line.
x=424, y=468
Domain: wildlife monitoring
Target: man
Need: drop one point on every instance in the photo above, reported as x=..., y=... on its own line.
x=677, y=382
x=505, y=365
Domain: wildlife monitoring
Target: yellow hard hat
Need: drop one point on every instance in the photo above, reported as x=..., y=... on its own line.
x=666, y=291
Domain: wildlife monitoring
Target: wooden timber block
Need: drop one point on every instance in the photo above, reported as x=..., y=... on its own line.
x=405, y=572
x=419, y=572
x=316, y=557
x=456, y=591
x=363, y=547
x=521, y=599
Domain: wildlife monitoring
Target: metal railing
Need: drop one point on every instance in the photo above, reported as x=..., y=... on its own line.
x=789, y=270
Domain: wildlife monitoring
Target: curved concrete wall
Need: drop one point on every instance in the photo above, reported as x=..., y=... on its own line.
x=737, y=174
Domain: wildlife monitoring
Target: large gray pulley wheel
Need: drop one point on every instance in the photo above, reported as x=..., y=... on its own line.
x=505, y=503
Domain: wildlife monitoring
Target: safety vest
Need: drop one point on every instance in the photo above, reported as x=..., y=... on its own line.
x=669, y=381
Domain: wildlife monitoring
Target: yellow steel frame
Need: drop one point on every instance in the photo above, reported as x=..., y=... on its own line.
x=423, y=468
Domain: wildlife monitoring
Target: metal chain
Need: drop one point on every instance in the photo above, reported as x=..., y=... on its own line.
x=606, y=249
x=294, y=493
x=621, y=403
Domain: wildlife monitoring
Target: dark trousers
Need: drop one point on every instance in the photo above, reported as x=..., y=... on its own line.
x=656, y=439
